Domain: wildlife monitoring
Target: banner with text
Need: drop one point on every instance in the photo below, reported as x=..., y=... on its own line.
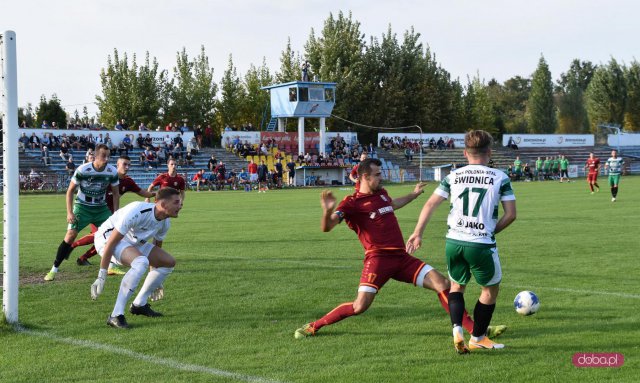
x=548, y=140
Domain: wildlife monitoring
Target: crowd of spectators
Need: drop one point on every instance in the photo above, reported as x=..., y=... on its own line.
x=415, y=145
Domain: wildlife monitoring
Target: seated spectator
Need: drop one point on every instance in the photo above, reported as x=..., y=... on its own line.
x=34, y=141
x=152, y=160
x=23, y=142
x=161, y=154
x=140, y=141
x=440, y=145
x=143, y=160
x=243, y=179
x=177, y=151
x=65, y=151
x=70, y=167
x=232, y=180
x=511, y=144
x=188, y=159
x=148, y=141
x=168, y=143
x=45, y=140
x=264, y=150
x=200, y=179
x=87, y=155
x=451, y=144
x=119, y=125
x=45, y=125
x=44, y=155
x=178, y=140
x=408, y=154
x=192, y=146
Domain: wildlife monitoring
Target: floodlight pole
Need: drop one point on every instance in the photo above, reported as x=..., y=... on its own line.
x=9, y=102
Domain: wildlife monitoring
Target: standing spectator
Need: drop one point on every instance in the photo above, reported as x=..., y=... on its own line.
x=208, y=136
x=279, y=173
x=119, y=125
x=517, y=168
x=291, y=167
x=263, y=173
x=197, y=132
x=253, y=172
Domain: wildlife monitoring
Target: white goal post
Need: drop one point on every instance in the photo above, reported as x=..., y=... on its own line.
x=9, y=104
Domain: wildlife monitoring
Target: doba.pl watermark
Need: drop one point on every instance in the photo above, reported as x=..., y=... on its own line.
x=590, y=359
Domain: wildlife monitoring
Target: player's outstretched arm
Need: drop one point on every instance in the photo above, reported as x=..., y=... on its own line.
x=415, y=240
x=146, y=194
x=508, y=217
x=329, y=219
x=399, y=202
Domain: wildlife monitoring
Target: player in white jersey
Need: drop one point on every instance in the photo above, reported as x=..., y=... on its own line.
x=614, y=166
x=124, y=236
x=475, y=191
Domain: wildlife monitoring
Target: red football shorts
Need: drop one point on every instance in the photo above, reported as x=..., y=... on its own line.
x=592, y=177
x=378, y=269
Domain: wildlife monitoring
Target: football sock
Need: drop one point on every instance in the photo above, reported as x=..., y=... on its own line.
x=84, y=241
x=596, y=185
x=153, y=280
x=456, y=308
x=591, y=187
x=90, y=253
x=129, y=283
x=54, y=269
x=467, y=322
x=614, y=191
x=482, y=314
x=63, y=253
x=341, y=312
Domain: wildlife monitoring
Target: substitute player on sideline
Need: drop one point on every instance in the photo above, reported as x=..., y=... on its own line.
x=126, y=184
x=93, y=180
x=124, y=236
x=370, y=213
x=614, y=166
x=593, y=166
x=475, y=191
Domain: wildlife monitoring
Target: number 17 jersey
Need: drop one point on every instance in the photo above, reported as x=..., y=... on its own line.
x=475, y=193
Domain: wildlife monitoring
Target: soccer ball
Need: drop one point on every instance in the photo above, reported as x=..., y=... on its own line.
x=526, y=303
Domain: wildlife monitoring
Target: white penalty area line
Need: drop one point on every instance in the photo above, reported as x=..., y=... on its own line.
x=147, y=358
x=575, y=291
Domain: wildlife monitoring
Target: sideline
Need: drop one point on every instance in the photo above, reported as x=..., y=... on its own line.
x=147, y=358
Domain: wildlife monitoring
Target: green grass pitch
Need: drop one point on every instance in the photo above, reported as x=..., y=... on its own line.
x=251, y=268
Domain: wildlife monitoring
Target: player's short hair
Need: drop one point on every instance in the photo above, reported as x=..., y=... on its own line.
x=477, y=142
x=365, y=166
x=166, y=193
x=101, y=147
x=124, y=157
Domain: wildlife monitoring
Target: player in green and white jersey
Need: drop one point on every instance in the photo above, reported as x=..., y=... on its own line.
x=92, y=180
x=614, y=165
x=475, y=192
x=546, y=165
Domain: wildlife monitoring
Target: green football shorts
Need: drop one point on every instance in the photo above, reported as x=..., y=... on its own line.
x=481, y=260
x=614, y=179
x=88, y=214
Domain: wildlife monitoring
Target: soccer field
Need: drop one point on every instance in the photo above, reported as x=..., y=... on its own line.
x=251, y=268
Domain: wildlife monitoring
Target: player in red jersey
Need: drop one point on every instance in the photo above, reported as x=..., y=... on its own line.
x=593, y=164
x=170, y=179
x=353, y=176
x=370, y=213
x=126, y=184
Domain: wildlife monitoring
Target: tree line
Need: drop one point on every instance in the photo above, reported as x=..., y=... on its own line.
x=385, y=81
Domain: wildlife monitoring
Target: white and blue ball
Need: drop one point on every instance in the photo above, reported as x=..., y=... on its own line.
x=526, y=303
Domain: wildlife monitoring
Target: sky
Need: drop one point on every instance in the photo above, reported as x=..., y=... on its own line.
x=62, y=45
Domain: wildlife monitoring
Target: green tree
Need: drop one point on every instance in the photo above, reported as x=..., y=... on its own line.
x=572, y=113
x=50, y=111
x=607, y=95
x=632, y=115
x=233, y=95
x=256, y=104
x=131, y=92
x=290, y=64
x=541, y=110
x=513, y=103
x=27, y=116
